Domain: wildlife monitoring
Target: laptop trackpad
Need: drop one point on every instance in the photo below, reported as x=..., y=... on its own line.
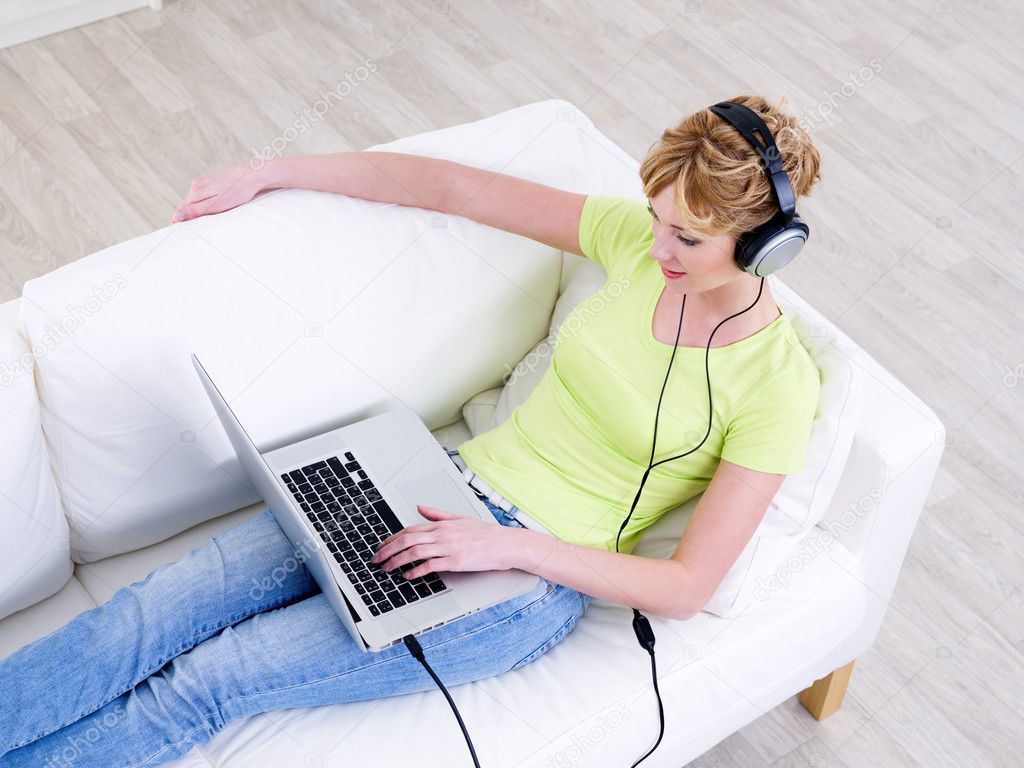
x=434, y=489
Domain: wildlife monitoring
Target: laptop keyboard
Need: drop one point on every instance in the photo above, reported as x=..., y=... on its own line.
x=352, y=518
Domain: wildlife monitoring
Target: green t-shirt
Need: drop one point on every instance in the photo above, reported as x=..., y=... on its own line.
x=573, y=455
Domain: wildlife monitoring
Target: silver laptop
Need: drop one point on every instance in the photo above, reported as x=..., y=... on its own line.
x=338, y=494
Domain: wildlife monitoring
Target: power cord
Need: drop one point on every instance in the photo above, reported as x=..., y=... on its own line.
x=414, y=648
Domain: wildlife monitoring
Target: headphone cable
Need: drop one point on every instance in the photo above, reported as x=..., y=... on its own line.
x=641, y=626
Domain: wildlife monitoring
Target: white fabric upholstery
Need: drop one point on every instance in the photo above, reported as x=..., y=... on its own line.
x=103, y=578
x=34, y=555
x=44, y=616
x=588, y=702
x=802, y=499
x=374, y=304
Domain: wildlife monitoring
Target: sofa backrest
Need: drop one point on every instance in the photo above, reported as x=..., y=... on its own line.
x=310, y=310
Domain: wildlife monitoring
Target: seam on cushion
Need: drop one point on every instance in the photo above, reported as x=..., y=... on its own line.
x=851, y=383
x=746, y=575
x=59, y=455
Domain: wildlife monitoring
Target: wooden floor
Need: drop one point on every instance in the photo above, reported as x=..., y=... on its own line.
x=917, y=107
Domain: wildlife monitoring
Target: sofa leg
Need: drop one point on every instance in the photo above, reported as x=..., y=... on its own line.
x=825, y=696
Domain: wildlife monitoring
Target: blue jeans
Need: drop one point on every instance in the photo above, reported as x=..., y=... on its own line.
x=235, y=628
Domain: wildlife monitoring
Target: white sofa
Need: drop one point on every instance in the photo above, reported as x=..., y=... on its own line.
x=115, y=465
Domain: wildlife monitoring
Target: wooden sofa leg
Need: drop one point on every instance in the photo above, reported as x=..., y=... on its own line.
x=825, y=696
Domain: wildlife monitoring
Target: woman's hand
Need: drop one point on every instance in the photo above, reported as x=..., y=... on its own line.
x=218, y=192
x=449, y=542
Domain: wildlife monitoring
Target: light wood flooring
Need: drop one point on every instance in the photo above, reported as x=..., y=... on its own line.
x=917, y=107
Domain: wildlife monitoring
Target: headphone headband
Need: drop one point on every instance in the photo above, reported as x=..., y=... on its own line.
x=770, y=246
x=753, y=129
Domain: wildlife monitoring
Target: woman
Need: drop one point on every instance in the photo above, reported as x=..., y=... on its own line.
x=228, y=631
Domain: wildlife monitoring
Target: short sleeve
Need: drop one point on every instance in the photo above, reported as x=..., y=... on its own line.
x=772, y=429
x=613, y=229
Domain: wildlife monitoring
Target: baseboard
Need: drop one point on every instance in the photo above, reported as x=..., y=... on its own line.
x=23, y=20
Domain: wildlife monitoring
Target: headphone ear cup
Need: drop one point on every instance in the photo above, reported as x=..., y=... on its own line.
x=771, y=246
x=749, y=243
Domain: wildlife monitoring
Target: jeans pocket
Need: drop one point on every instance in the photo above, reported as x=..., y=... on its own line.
x=556, y=638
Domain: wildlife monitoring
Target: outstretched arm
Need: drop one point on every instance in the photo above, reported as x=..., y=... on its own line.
x=546, y=214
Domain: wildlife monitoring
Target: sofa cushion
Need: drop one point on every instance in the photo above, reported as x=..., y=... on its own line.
x=801, y=501
x=34, y=556
x=309, y=309
x=43, y=617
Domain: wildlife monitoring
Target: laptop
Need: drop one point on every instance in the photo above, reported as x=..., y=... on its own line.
x=336, y=495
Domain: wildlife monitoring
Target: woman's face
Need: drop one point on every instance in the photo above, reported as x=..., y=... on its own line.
x=707, y=261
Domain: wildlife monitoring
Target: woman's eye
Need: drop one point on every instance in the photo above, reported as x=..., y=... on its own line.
x=680, y=238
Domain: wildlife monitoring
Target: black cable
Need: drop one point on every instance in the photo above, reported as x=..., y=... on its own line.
x=414, y=648
x=641, y=626
x=643, y=630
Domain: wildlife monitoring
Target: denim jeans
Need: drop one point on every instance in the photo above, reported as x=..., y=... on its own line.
x=235, y=628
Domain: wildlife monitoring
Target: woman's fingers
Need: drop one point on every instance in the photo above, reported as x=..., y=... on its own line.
x=431, y=566
x=402, y=541
x=407, y=531
x=433, y=513
x=416, y=552
x=190, y=210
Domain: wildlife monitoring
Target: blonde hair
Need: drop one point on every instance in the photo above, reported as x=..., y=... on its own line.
x=720, y=183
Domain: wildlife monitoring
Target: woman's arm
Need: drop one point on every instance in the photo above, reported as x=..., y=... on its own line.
x=649, y=584
x=546, y=214
x=383, y=176
x=388, y=177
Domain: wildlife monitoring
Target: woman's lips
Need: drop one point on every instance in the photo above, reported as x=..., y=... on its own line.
x=670, y=274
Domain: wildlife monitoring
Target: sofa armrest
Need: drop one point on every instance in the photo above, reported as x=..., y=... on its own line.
x=893, y=460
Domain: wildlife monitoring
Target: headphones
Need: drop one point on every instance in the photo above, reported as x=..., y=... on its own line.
x=772, y=245
x=759, y=252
